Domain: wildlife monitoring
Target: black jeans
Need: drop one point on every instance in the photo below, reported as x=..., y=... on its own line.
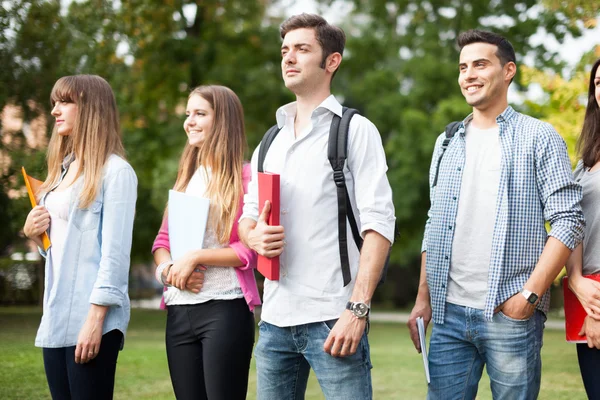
x=589, y=364
x=92, y=380
x=209, y=347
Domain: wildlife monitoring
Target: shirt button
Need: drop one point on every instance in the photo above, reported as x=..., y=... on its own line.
x=284, y=211
x=443, y=285
x=450, y=228
x=446, y=257
x=459, y=168
x=454, y=198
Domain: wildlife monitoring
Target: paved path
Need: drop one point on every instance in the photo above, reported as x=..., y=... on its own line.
x=378, y=316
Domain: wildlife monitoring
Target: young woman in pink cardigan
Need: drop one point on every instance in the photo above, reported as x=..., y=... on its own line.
x=211, y=293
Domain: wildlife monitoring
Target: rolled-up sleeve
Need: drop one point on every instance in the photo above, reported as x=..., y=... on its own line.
x=560, y=194
x=368, y=166
x=120, y=194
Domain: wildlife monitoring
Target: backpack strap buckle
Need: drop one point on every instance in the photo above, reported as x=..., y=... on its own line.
x=338, y=178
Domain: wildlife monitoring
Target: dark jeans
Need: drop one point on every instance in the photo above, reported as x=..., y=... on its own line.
x=209, y=347
x=589, y=364
x=92, y=380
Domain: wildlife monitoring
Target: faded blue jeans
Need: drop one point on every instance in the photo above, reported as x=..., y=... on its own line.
x=509, y=348
x=284, y=357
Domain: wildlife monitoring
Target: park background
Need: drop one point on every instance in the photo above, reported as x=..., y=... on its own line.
x=399, y=69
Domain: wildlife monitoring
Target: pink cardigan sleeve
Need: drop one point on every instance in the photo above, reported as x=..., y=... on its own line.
x=162, y=239
x=246, y=256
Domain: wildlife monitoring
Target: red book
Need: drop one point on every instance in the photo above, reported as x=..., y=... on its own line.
x=268, y=189
x=574, y=312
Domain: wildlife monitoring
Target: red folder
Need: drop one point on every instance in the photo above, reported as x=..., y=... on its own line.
x=268, y=189
x=574, y=312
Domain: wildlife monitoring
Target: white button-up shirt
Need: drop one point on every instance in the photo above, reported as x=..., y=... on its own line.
x=311, y=287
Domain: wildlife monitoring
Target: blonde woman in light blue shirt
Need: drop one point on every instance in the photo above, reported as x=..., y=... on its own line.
x=87, y=206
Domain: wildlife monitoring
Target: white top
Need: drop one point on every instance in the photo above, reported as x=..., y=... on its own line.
x=590, y=205
x=57, y=204
x=220, y=283
x=311, y=286
x=475, y=218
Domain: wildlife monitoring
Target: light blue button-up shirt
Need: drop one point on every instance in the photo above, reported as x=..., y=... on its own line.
x=536, y=185
x=95, y=259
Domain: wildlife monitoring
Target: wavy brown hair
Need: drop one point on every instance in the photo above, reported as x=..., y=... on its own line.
x=95, y=136
x=222, y=151
x=588, y=144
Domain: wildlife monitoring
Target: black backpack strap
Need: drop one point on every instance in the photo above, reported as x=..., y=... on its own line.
x=337, y=153
x=265, y=143
x=451, y=130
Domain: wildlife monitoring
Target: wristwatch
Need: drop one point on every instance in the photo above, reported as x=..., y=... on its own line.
x=359, y=309
x=530, y=296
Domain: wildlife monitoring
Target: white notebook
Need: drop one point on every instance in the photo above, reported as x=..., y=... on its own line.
x=188, y=216
x=421, y=329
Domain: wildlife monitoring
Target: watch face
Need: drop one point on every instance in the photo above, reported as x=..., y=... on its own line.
x=532, y=298
x=360, y=310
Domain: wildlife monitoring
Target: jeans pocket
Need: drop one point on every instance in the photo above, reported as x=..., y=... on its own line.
x=329, y=324
x=507, y=318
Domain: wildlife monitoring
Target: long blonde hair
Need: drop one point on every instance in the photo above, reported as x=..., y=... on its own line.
x=222, y=151
x=95, y=136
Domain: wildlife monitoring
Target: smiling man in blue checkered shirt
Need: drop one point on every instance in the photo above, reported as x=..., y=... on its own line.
x=487, y=259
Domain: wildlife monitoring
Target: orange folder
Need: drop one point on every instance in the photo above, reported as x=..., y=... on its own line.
x=33, y=186
x=268, y=189
x=574, y=312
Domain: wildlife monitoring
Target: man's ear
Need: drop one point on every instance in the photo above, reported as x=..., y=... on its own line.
x=510, y=70
x=333, y=62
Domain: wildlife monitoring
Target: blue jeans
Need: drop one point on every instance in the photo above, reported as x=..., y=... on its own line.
x=510, y=349
x=284, y=357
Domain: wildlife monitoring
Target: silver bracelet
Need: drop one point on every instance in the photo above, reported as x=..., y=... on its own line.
x=159, y=272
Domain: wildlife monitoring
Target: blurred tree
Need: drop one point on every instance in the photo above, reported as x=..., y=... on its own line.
x=399, y=69
x=152, y=54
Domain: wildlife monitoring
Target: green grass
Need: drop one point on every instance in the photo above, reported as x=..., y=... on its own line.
x=142, y=371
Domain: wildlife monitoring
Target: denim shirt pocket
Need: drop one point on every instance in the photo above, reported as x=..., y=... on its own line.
x=88, y=218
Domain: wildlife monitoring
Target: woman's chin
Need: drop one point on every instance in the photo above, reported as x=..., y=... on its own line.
x=195, y=142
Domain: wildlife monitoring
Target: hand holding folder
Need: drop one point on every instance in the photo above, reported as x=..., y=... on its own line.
x=574, y=312
x=268, y=189
x=33, y=186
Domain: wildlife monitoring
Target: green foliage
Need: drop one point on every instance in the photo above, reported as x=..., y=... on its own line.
x=399, y=69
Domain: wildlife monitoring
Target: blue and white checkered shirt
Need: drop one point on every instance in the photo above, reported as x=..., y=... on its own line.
x=536, y=185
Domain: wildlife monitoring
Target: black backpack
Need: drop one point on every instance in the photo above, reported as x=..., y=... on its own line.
x=337, y=153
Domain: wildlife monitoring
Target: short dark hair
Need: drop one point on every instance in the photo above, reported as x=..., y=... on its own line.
x=588, y=144
x=505, y=52
x=331, y=38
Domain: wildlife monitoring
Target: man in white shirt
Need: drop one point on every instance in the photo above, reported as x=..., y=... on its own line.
x=309, y=317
